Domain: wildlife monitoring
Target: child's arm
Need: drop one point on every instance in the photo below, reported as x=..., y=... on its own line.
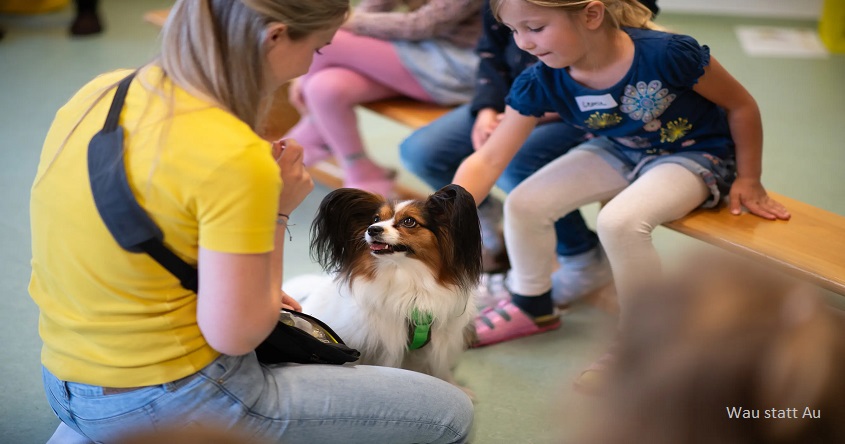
x=718, y=86
x=479, y=172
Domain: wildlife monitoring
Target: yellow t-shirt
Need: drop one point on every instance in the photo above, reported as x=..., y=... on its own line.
x=119, y=319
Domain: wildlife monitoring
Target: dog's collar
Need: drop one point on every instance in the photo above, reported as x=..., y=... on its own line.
x=419, y=329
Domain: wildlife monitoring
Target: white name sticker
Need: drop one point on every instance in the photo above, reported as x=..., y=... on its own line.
x=589, y=103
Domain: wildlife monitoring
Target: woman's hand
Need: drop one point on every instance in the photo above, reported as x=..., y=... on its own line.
x=751, y=194
x=296, y=182
x=485, y=122
x=289, y=303
x=295, y=97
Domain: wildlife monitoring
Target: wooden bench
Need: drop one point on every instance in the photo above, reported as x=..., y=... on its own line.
x=811, y=245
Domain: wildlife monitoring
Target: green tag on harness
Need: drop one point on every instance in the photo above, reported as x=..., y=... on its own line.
x=419, y=329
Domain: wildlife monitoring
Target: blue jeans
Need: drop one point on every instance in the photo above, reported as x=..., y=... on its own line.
x=283, y=403
x=435, y=151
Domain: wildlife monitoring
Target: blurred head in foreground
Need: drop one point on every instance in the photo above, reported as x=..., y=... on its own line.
x=720, y=336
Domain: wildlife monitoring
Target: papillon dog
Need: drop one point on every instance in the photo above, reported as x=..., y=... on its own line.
x=402, y=275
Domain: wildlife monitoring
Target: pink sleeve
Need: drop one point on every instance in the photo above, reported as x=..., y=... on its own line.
x=375, y=6
x=435, y=18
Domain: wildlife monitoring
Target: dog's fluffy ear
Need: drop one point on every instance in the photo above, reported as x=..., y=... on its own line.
x=456, y=216
x=338, y=227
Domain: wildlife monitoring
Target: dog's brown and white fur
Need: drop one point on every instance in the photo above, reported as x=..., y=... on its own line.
x=386, y=259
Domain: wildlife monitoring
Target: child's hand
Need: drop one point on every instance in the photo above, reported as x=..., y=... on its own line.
x=296, y=182
x=750, y=193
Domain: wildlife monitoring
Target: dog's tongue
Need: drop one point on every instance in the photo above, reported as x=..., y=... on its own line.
x=378, y=246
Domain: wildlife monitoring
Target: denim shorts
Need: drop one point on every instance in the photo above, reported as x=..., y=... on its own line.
x=718, y=174
x=289, y=403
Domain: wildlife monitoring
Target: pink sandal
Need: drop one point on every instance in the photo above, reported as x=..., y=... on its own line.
x=505, y=321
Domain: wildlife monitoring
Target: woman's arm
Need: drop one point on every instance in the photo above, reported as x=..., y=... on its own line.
x=240, y=294
x=420, y=24
x=237, y=305
x=479, y=172
x=718, y=86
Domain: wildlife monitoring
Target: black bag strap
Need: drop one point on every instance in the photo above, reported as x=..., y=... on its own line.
x=127, y=221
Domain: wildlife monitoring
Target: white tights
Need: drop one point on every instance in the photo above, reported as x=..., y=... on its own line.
x=665, y=193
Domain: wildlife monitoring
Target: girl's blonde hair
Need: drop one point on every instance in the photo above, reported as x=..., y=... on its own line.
x=215, y=48
x=628, y=13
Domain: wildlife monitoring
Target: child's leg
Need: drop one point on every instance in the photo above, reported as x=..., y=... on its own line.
x=531, y=209
x=350, y=71
x=583, y=266
x=332, y=95
x=373, y=58
x=314, y=146
x=665, y=193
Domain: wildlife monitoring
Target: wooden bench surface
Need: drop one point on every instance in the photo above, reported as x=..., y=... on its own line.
x=811, y=245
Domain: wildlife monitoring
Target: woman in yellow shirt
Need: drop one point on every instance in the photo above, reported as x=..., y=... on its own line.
x=126, y=347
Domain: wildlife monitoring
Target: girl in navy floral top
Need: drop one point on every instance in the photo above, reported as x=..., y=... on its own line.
x=673, y=131
x=435, y=151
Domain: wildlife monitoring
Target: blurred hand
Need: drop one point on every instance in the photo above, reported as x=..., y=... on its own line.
x=296, y=182
x=751, y=194
x=289, y=303
x=485, y=122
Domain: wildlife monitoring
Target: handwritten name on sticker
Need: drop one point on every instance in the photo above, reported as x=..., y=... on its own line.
x=589, y=103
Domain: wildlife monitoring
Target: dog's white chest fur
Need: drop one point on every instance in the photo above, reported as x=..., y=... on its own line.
x=372, y=315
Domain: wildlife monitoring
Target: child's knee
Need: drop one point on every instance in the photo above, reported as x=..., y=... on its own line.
x=522, y=203
x=616, y=225
x=329, y=87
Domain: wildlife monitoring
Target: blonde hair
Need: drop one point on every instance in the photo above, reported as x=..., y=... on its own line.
x=215, y=48
x=628, y=13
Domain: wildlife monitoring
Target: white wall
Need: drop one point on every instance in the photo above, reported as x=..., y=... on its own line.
x=804, y=9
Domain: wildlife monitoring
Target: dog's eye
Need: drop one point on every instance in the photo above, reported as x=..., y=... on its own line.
x=376, y=219
x=409, y=222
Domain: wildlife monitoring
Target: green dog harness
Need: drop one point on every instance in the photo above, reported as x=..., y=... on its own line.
x=419, y=329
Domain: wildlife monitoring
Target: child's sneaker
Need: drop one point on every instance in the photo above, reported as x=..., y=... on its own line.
x=579, y=275
x=505, y=321
x=492, y=289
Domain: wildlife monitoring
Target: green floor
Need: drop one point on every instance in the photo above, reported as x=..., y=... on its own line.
x=520, y=386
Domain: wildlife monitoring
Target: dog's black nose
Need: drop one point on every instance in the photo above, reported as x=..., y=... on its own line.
x=374, y=230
